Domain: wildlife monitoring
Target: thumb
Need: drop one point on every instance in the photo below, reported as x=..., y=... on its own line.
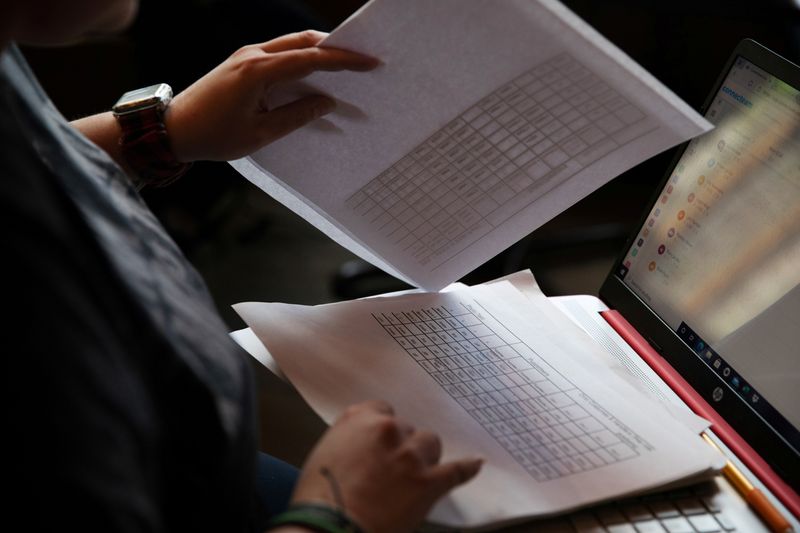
x=289, y=117
x=447, y=476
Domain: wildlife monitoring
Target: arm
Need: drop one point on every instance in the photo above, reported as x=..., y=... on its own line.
x=103, y=130
x=224, y=115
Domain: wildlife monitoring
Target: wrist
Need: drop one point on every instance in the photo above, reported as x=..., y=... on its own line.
x=144, y=142
x=177, y=120
x=316, y=517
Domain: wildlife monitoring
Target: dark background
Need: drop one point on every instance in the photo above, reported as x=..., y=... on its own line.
x=248, y=247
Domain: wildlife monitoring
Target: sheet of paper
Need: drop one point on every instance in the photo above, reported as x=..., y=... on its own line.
x=248, y=340
x=584, y=312
x=584, y=332
x=486, y=120
x=251, y=344
x=565, y=313
x=475, y=366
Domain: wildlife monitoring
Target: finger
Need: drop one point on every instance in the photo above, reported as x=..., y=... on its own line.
x=379, y=406
x=450, y=475
x=296, y=64
x=427, y=445
x=285, y=119
x=406, y=430
x=291, y=41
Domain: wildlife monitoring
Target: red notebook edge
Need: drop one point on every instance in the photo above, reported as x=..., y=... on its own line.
x=721, y=428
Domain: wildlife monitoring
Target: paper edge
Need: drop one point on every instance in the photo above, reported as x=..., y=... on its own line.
x=305, y=209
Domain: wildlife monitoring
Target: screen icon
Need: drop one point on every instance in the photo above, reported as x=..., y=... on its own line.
x=691, y=197
x=640, y=242
x=717, y=363
x=661, y=249
x=681, y=214
x=717, y=394
x=651, y=266
x=701, y=180
x=726, y=371
x=671, y=233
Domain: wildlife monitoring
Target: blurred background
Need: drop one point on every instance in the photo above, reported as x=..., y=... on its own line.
x=250, y=248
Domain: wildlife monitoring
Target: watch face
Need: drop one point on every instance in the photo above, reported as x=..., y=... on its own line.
x=155, y=95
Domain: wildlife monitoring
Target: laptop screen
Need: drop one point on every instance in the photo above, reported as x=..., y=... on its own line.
x=718, y=257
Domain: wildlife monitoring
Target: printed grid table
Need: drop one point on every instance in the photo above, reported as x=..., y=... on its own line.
x=531, y=410
x=496, y=158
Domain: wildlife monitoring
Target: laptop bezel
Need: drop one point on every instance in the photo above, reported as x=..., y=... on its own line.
x=772, y=447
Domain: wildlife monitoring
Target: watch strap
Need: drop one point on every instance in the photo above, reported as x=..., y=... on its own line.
x=145, y=145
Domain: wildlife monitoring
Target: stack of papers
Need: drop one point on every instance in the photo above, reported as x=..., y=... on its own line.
x=499, y=373
x=486, y=120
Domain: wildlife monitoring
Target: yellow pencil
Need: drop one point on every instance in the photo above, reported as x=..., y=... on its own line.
x=754, y=497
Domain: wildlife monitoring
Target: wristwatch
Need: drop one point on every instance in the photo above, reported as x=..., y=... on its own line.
x=144, y=142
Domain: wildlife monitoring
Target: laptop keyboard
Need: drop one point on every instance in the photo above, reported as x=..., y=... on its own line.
x=689, y=510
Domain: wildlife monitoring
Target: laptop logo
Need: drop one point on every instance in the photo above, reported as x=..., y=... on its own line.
x=717, y=394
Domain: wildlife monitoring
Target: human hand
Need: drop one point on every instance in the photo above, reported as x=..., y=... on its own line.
x=224, y=115
x=387, y=472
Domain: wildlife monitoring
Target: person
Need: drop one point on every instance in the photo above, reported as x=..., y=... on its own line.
x=130, y=408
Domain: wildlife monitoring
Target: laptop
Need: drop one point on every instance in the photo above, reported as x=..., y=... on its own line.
x=703, y=303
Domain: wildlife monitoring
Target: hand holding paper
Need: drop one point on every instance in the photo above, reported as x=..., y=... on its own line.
x=486, y=120
x=369, y=443
x=486, y=369
x=236, y=119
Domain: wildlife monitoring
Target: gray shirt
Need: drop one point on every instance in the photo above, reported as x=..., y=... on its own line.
x=130, y=407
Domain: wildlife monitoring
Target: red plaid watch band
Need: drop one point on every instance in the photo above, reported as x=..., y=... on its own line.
x=145, y=146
